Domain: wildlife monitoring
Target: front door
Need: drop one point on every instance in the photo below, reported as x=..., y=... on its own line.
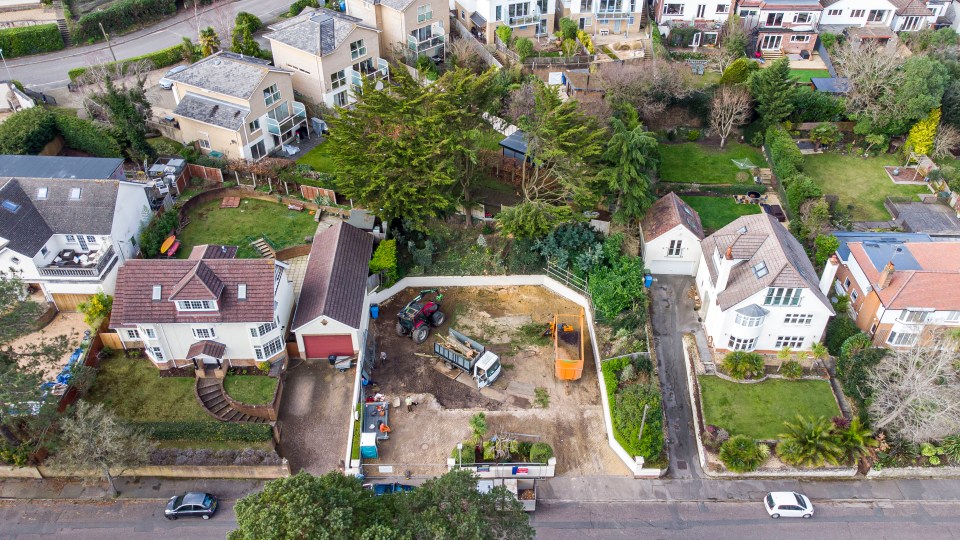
x=771, y=43
x=701, y=11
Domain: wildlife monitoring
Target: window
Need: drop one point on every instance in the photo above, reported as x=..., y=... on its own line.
x=585, y=22
x=271, y=95
x=156, y=292
x=204, y=333
x=803, y=17
x=357, y=49
x=835, y=12
x=780, y=296
x=737, y=344
x=156, y=353
x=798, y=319
x=953, y=316
x=255, y=125
x=673, y=9
x=846, y=284
x=340, y=100
x=722, y=8
x=92, y=239
x=204, y=143
x=133, y=334
x=749, y=322
x=854, y=296
x=424, y=13
x=499, y=14
x=748, y=13
x=338, y=79
x=675, y=248
x=75, y=194
x=586, y=5
x=258, y=150
x=195, y=305
x=150, y=333
x=263, y=329
x=279, y=113
x=794, y=342
x=856, y=13
x=269, y=349
x=517, y=10
x=914, y=316
x=877, y=15
x=910, y=23
x=71, y=239
x=901, y=338
x=42, y=193
x=242, y=291
x=760, y=269
x=803, y=38
x=774, y=19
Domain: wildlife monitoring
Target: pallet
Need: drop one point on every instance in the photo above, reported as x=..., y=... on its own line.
x=230, y=202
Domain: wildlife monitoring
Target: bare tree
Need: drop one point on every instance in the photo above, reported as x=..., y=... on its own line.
x=948, y=138
x=649, y=88
x=874, y=73
x=733, y=40
x=729, y=108
x=465, y=56
x=916, y=393
x=221, y=18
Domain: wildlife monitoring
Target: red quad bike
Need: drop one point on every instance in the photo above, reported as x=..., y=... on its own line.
x=416, y=318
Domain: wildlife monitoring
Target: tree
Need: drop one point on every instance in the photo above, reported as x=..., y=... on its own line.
x=810, y=105
x=128, y=109
x=738, y=71
x=743, y=365
x=632, y=155
x=464, y=56
x=824, y=246
x=815, y=217
x=733, y=39
x=800, y=189
x=188, y=51
x=923, y=134
x=948, y=138
x=96, y=309
x=742, y=454
x=568, y=29
x=915, y=393
x=650, y=88
x=856, y=440
x=523, y=47
x=243, y=43
x=825, y=133
x=838, y=330
x=478, y=427
x=209, y=41
x=27, y=131
x=533, y=219
x=729, y=108
x=95, y=439
x=773, y=90
x=809, y=442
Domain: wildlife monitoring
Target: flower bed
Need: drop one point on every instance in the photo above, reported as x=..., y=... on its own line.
x=631, y=385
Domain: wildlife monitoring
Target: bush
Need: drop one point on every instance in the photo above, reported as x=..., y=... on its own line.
x=152, y=237
x=385, y=260
x=27, y=131
x=801, y=189
x=24, y=40
x=505, y=33
x=714, y=437
x=741, y=454
x=120, y=16
x=829, y=40
x=791, y=369
x=523, y=47
x=627, y=412
x=739, y=71
x=786, y=157
x=96, y=309
x=300, y=5
x=922, y=134
x=839, y=329
x=825, y=245
x=87, y=136
x=540, y=452
x=206, y=431
x=743, y=365
x=586, y=41
x=466, y=456
x=160, y=59
x=617, y=288
x=568, y=29
x=693, y=135
x=14, y=455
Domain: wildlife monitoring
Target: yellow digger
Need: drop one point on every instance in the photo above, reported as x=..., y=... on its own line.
x=552, y=328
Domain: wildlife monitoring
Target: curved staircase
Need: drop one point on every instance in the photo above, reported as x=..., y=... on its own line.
x=214, y=401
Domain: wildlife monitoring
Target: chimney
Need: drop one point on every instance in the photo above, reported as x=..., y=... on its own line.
x=886, y=276
x=829, y=273
x=724, y=268
x=729, y=254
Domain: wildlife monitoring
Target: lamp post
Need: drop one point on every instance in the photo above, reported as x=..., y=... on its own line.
x=459, y=454
x=9, y=77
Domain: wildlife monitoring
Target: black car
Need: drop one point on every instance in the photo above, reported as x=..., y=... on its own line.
x=193, y=504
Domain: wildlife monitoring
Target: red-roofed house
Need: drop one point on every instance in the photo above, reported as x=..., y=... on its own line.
x=210, y=310
x=670, y=237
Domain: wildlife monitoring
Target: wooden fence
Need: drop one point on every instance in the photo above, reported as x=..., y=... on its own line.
x=311, y=193
x=207, y=173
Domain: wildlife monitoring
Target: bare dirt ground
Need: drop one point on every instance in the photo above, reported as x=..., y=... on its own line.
x=69, y=324
x=508, y=320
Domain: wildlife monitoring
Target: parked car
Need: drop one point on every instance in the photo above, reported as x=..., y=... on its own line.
x=166, y=83
x=386, y=489
x=192, y=504
x=788, y=504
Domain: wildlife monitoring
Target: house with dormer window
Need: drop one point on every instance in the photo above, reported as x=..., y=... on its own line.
x=759, y=291
x=670, y=237
x=210, y=310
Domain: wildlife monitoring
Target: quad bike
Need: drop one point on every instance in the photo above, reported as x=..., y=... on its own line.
x=416, y=318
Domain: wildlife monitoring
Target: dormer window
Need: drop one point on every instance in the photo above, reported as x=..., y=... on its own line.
x=196, y=305
x=75, y=194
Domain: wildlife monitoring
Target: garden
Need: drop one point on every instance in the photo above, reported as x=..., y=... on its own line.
x=716, y=212
x=251, y=389
x=319, y=158
x=633, y=392
x=804, y=75
x=697, y=163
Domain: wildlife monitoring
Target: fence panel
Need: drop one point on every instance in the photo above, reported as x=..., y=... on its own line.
x=207, y=173
x=476, y=45
x=825, y=56
x=311, y=193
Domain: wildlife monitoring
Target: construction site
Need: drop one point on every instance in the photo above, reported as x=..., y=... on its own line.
x=520, y=354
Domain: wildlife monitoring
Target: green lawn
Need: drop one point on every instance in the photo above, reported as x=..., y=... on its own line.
x=715, y=212
x=134, y=390
x=759, y=410
x=860, y=183
x=804, y=75
x=698, y=164
x=209, y=224
x=251, y=389
x=319, y=158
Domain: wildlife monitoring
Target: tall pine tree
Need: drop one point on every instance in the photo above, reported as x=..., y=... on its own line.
x=632, y=154
x=773, y=91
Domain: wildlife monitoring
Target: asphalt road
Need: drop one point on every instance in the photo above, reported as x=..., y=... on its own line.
x=47, y=71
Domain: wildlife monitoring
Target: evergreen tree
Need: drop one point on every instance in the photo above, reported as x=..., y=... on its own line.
x=632, y=154
x=128, y=110
x=773, y=91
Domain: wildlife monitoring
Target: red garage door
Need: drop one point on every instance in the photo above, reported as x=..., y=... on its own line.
x=324, y=346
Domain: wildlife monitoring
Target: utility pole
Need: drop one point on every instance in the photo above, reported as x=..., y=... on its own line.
x=106, y=37
x=643, y=422
x=9, y=77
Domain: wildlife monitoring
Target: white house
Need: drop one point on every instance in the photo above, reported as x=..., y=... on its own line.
x=616, y=17
x=68, y=223
x=691, y=11
x=332, y=307
x=528, y=18
x=211, y=310
x=782, y=26
x=898, y=15
x=759, y=291
x=670, y=237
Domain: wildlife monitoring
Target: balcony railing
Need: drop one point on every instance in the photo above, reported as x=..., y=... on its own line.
x=381, y=72
x=613, y=15
x=427, y=44
x=298, y=113
x=524, y=20
x=70, y=271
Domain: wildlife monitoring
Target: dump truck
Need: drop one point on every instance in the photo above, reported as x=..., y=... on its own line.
x=568, y=345
x=472, y=357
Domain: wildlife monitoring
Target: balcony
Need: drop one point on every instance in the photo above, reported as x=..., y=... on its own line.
x=70, y=269
x=422, y=46
x=608, y=15
x=298, y=114
x=365, y=72
x=524, y=20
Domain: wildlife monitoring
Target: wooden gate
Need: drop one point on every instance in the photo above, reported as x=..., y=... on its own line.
x=69, y=302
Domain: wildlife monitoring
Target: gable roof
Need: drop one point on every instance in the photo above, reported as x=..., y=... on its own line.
x=316, y=31
x=61, y=167
x=133, y=300
x=200, y=283
x=926, y=274
x=668, y=212
x=911, y=7
x=227, y=73
x=25, y=229
x=335, y=283
x=215, y=112
x=756, y=239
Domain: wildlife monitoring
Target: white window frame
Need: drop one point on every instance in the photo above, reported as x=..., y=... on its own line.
x=204, y=143
x=262, y=329
x=666, y=10
x=271, y=94
x=196, y=305
x=854, y=296
x=777, y=23
x=857, y=13
x=902, y=339
x=800, y=38
x=914, y=316
x=269, y=349
x=783, y=296
x=340, y=99
x=741, y=344
x=798, y=319
x=255, y=125
x=803, y=17
x=424, y=13
x=872, y=15
x=204, y=332
x=70, y=239
x=148, y=333
x=357, y=49
x=834, y=12
x=76, y=193
x=675, y=249
x=156, y=354
x=132, y=334
x=952, y=316
x=749, y=322
x=846, y=284
x=794, y=342
x=338, y=79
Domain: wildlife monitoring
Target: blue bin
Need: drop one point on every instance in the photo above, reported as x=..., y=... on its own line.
x=647, y=280
x=374, y=311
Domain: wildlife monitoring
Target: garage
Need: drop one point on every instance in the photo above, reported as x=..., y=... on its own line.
x=324, y=346
x=69, y=302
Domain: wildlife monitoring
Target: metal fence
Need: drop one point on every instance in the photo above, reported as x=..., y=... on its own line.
x=569, y=279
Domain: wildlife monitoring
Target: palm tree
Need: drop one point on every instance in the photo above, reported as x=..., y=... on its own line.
x=478, y=427
x=209, y=41
x=810, y=442
x=819, y=351
x=743, y=365
x=856, y=440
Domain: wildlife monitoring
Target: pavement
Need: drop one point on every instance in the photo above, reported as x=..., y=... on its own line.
x=129, y=487
x=48, y=71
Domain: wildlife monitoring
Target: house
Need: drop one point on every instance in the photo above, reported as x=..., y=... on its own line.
x=782, y=26
x=616, y=17
x=210, y=310
x=904, y=288
x=328, y=53
x=332, y=309
x=68, y=223
x=841, y=14
x=687, y=12
x=237, y=107
x=759, y=291
x=12, y=100
x=408, y=28
x=529, y=19
x=670, y=236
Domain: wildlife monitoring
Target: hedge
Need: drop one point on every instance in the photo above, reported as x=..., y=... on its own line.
x=206, y=431
x=26, y=40
x=787, y=159
x=121, y=16
x=87, y=136
x=28, y=131
x=162, y=58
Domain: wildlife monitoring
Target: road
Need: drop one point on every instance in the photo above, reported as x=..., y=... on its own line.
x=48, y=71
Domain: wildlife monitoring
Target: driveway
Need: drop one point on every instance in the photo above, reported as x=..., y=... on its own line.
x=314, y=413
x=673, y=315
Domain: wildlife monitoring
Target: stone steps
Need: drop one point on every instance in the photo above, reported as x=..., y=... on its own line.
x=266, y=250
x=211, y=397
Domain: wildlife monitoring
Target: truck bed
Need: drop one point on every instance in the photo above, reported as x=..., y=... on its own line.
x=372, y=417
x=568, y=345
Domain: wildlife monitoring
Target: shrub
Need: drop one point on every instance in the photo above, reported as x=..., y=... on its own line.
x=951, y=447
x=825, y=245
x=300, y=5
x=810, y=442
x=385, y=260
x=152, y=237
x=540, y=452
x=586, y=41
x=791, y=369
x=206, y=431
x=786, y=157
x=714, y=437
x=505, y=33
x=627, y=412
x=27, y=131
x=466, y=456
x=801, y=189
x=159, y=59
x=96, y=309
x=828, y=39
x=568, y=29
x=743, y=365
x=693, y=135
x=87, y=136
x=263, y=366
x=739, y=71
x=922, y=134
x=741, y=454
x=523, y=47
x=839, y=329
x=616, y=288
x=24, y=40
x=14, y=455
x=120, y=16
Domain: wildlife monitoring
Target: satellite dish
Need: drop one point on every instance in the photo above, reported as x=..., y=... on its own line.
x=379, y=85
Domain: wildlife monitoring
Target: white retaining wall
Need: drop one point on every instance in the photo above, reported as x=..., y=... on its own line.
x=915, y=472
x=508, y=470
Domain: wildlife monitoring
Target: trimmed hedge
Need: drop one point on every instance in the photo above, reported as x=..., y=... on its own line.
x=87, y=136
x=121, y=16
x=26, y=40
x=206, y=431
x=787, y=159
x=162, y=58
x=28, y=131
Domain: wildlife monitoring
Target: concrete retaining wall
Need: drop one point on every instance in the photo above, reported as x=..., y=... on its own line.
x=509, y=470
x=915, y=472
x=163, y=471
x=9, y=471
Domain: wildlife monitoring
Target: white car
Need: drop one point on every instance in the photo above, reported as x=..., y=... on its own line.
x=788, y=504
x=166, y=83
